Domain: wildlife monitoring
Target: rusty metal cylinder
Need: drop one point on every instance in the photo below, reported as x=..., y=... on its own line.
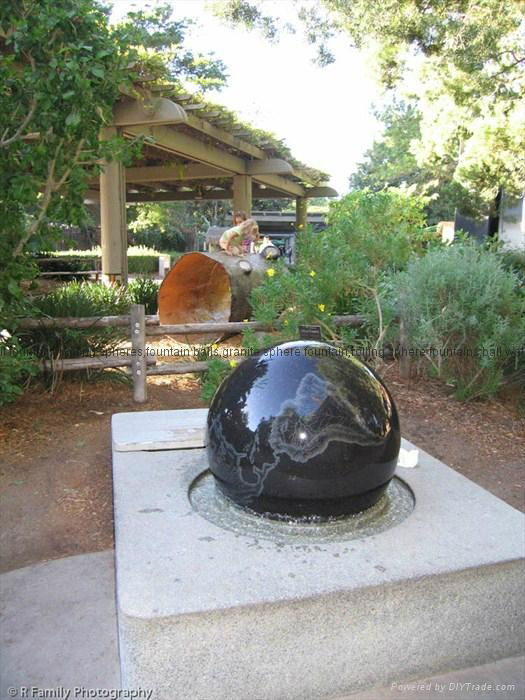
x=209, y=287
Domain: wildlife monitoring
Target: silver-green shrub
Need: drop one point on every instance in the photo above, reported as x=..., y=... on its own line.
x=465, y=316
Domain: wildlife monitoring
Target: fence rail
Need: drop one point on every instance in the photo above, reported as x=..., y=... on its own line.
x=153, y=326
x=142, y=325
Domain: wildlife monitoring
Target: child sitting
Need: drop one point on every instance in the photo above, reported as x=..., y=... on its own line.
x=240, y=239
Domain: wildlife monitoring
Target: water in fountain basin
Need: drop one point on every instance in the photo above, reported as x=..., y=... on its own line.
x=392, y=508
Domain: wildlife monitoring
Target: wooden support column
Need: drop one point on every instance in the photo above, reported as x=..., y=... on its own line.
x=242, y=194
x=113, y=229
x=301, y=213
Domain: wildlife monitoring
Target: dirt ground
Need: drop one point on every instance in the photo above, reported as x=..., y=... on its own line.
x=55, y=458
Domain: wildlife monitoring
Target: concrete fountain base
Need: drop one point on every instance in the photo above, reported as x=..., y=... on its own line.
x=208, y=614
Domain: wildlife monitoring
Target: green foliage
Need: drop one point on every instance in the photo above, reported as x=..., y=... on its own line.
x=143, y=264
x=144, y=291
x=16, y=367
x=141, y=260
x=175, y=225
x=217, y=371
x=63, y=68
x=514, y=260
x=391, y=162
x=69, y=262
x=464, y=313
x=77, y=299
x=60, y=74
x=368, y=234
x=470, y=78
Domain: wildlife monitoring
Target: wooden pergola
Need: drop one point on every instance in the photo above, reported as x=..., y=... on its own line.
x=190, y=153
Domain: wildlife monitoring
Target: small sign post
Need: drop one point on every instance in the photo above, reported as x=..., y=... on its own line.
x=310, y=332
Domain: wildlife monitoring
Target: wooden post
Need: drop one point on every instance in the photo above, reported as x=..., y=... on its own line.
x=301, y=213
x=405, y=361
x=242, y=194
x=138, y=352
x=113, y=229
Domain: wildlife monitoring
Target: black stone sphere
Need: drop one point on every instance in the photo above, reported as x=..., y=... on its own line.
x=301, y=429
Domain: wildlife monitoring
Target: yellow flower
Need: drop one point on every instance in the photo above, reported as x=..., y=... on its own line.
x=233, y=363
x=245, y=320
x=286, y=321
x=312, y=273
x=301, y=226
x=321, y=307
x=270, y=272
x=214, y=346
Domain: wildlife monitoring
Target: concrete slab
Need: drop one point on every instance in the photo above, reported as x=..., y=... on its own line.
x=500, y=680
x=58, y=626
x=262, y=619
x=147, y=430
x=69, y=662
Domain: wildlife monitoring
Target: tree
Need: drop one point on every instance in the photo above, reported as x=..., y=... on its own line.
x=175, y=225
x=62, y=69
x=470, y=64
x=391, y=162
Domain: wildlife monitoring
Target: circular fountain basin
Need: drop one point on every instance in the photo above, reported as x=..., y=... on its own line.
x=394, y=506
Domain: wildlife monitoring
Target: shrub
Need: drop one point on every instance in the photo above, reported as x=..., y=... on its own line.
x=369, y=233
x=71, y=300
x=141, y=260
x=514, y=260
x=16, y=367
x=143, y=264
x=144, y=291
x=464, y=313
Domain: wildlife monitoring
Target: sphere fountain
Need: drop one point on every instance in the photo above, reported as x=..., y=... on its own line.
x=265, y=548
x=301, y=430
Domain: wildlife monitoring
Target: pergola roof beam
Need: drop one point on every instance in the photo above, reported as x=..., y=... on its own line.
x=279, y=183
x=322, y=191
x=182, y=144
x=174, y=173
x=133, y=197
x=200, y=124
x=157, y=111
x=162, y=111
x=269, y=166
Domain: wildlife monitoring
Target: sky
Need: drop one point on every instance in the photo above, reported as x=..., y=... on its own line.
x=323, y=114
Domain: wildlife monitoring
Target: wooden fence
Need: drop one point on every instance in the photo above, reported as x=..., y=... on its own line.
x=141, y=326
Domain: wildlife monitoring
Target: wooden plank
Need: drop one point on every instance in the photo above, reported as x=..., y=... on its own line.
x=178, y=196
x=79, y=363
x=229, y=138
x=63, y=273
x=182, y=144
x=177, y=368
x=269, y=166
x=226, y=327
x=352, y=320
x=83, y=322
x=153, y=328
x=277, y=182
x=405, y=361
x=173, y=173
x=138, y=347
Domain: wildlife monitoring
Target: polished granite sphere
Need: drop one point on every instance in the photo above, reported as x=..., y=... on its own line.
x=303, y=429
